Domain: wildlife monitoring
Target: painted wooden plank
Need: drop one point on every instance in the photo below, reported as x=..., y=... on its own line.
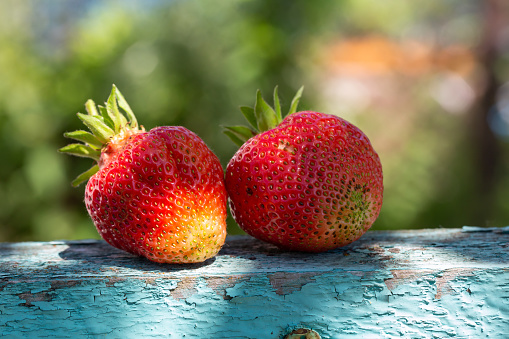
x=429, y=283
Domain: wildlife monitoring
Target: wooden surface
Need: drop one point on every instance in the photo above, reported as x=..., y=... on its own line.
x=414, y=284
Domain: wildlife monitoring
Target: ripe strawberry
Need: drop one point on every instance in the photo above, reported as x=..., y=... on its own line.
x=158, y=194
x=311, y=182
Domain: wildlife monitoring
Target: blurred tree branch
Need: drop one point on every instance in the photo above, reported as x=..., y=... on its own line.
x=486, y=145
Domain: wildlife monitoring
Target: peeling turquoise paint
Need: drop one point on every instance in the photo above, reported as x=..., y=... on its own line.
x=435, y=283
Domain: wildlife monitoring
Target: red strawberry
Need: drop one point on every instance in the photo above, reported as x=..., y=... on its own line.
x=311, y=182
x=158, y=194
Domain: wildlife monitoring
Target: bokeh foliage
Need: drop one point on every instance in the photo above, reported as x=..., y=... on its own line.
x=193, y=62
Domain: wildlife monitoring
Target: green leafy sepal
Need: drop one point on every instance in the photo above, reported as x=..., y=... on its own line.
x=262, y=117
x=104, y=124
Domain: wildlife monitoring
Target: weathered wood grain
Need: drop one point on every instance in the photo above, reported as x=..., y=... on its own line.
x=430, y=283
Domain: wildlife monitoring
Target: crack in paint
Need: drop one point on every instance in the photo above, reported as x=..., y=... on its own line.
x=30, y=298
x=288, y=282
x=45, y=295
x=403, y=277
x=220, y=284
x=443, y=286
x=185, y=288
x=441, y=279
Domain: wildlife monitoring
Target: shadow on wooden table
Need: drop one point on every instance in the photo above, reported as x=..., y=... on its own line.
x=98, y=253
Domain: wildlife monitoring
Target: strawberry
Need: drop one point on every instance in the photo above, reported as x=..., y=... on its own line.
x=158, y=194
x=309, y=182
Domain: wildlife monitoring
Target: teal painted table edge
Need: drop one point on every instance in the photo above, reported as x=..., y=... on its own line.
x=433, y=283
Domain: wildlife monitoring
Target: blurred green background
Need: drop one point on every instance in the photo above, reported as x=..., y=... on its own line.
x=426, y=81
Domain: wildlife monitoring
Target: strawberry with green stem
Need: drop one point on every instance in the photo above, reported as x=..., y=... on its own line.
x=158, y=194
x=307, y=182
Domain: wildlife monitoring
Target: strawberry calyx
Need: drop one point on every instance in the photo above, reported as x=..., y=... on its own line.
x=108, y=127
x=262, y=117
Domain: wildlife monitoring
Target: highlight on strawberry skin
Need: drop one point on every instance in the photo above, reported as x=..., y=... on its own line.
x=159, y=194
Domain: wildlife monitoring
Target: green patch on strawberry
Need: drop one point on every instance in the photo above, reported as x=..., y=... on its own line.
x=306, y=182
x=158, y=194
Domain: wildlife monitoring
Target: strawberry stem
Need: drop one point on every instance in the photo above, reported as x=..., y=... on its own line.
x=119, y=121
x=104, y=123
x=250, y=116
x=133, y=123
x=265, y=115
x=261, y=118
x=82, y=150
x=85, y=137
x=239, y=134
x=90, y=107
x=295, y=101
x=85, y=176
x=277, y=106
x=98, y=128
